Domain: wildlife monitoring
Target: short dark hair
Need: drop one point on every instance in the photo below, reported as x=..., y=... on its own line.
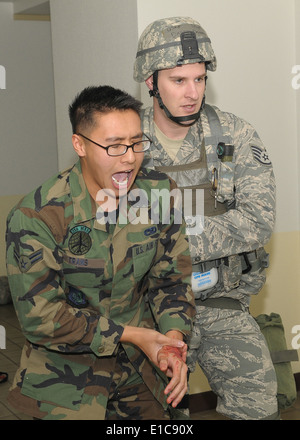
x=99, y=99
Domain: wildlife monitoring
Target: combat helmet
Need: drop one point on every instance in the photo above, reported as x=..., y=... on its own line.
x=168, y=43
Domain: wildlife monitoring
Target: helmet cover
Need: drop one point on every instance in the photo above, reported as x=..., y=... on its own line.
x=171, y=42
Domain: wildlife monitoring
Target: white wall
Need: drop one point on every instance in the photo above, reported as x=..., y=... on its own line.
x=255, y=45
x=297, y=90
x=27, y=113
x=254, y=42
x=93, y=43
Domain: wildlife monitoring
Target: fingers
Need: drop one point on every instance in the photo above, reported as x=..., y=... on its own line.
x=175, y=348
x=169, y=357
x=172, y=364
x=177, y=387
x=175, y=342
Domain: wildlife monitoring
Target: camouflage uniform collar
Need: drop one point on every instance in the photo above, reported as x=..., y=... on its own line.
x=84, y=207
x=83, y=204
x=123, y=207
x=189, y=151
x=147, y=117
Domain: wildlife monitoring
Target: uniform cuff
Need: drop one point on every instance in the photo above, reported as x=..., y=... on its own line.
x=106, y=338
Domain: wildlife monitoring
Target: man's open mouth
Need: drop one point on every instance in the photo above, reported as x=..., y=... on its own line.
x=121, y=180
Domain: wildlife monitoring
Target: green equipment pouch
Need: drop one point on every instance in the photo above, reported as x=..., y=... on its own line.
x=272, y=328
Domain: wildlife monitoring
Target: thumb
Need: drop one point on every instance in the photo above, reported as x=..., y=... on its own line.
x=173, y=342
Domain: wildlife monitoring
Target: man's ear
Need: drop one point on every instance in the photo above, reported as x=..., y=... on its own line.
x=149, y=82
x=79, y=145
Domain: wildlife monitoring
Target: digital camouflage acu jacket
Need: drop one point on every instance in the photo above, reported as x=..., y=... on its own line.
x=76, y=283
x=247, y=182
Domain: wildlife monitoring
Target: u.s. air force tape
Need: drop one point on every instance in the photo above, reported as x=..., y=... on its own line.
x=260, y=155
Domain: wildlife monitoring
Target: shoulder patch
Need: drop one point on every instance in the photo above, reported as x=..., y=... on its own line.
x=260, y=155
x=25, y=262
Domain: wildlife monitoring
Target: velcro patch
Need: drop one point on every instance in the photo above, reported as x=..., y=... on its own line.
x=76, y=298
x=260, y=155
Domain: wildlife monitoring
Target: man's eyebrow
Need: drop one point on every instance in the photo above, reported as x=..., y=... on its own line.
x=178, y=76
x=121, y=139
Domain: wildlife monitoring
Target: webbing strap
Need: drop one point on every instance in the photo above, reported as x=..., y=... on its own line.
x=197, y=164
x=220, y=303
x=215, y=128
x=284, y=356
x=167, y=45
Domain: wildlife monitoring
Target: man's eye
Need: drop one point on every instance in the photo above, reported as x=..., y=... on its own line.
x=201, y=79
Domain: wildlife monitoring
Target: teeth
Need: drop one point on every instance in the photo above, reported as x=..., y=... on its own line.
x=124, y=181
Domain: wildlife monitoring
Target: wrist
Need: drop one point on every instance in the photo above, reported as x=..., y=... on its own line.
x=129, y=334
x=175, y=334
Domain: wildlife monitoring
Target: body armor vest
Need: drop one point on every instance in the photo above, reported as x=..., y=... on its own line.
x=212, y=173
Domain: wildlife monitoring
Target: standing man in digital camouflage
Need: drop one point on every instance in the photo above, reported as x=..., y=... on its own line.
x=204, y=149
x=82, y=255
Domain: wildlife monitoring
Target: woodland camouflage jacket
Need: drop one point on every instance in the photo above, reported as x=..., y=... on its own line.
x=76, y=283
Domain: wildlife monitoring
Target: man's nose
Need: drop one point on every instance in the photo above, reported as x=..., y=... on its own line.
x=129, y=156
x=192, y=91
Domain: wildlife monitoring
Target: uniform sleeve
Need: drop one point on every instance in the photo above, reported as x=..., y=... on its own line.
x=170, y=294
x=250, y=223
x=34, y=267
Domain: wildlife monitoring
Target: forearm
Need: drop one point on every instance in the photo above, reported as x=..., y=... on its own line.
x=246, y=227
x=132, y=335
x=151, y=342
x=60, y=327
x=230, y=234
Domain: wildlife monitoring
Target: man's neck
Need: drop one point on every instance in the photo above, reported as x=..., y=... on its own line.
x=168, y=127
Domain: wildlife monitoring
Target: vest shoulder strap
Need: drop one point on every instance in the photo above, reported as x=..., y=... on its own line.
x=214, y=132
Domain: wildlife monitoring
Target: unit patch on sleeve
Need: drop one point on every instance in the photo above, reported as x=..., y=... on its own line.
x=260, y=155
x=25, y=262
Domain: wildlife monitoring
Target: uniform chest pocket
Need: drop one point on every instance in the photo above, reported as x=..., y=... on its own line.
x=143, y=256
x=83, y=272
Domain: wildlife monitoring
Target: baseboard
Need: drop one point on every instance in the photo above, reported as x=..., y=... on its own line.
x=208, y=400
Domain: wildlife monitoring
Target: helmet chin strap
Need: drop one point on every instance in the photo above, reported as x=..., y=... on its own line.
x=177, y=119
